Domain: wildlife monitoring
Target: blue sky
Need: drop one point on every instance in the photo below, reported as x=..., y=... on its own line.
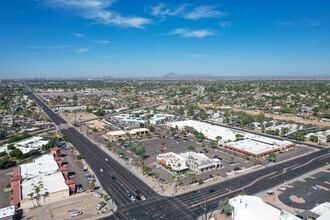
x=126, y=38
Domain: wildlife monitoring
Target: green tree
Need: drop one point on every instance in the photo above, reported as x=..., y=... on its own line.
x=261, y=118
x=272, y=155
x=191, y=148
x=218, y=137
x=200, y=181
x=16, y=153
x=225, y=207
x=105, y=197
x=11, y=147
x=147, y=170
x=79, y=157
x=232, y=159
x=314, y=138
x=151, y=129
x=92, y=184
x=3, y=134
x=141, y=152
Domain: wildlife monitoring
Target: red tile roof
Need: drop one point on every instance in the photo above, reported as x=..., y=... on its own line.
x=16, y=194
x=68, y=182
x=62, y=169
x=16, y=171
x=15, y=178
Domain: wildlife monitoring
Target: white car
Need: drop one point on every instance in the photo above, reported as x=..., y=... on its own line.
x=106, y=159
x=314, y=187
x=133, y=198
x=101, y=170
x=143, y=198
x=282, y=188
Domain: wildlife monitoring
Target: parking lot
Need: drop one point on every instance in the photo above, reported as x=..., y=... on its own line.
x=75, y=168
x=307, y=193
x=165, y=140
x=86, y=203
x=4, y=181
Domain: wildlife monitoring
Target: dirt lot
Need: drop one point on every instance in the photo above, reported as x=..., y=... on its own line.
x=282, y=117
x=86, y=203
x=80, y=116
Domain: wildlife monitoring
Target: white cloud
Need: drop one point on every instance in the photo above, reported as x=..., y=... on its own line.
x=101, y=41
x=311, y=22
x=196, y=55
x=162, y=10
x=79, y=35
x=284, y=23
x=204, y=12
x=82, y=50
x=186, y=32
x=35, y=47
x=61, y=46
x=225, y=24
x=98, y=11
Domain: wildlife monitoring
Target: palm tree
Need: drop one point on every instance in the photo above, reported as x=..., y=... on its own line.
x=37, y=190
x=31, y=195
x=179, y=165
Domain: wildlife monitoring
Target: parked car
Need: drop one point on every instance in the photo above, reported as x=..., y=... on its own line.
x=74, y=213
x=210, y=191
x=282, y=188
x=290, y=204
x=314, y=187
x=87, y=174
x=143, y=198
x=84, y=170
x=106, y=159
x=100, y=205
x=101, y=170
x=97, y=194
x=133, y=198
x=80, y=190
x=183, y=176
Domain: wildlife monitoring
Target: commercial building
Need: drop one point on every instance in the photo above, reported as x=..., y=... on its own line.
x=173, y=161
x=253, y=144
x=252, y=207
x=26, y=145
x=44, y=180
x=252, y=147
x=114, y=135
x=128, y=120
x=194, y=161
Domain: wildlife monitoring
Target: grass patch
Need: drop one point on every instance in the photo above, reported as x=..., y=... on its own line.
x=50, y=134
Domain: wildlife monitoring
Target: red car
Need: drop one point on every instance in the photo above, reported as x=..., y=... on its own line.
x=162, y=150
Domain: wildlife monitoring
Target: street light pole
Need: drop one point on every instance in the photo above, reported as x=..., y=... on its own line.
x=205, y=200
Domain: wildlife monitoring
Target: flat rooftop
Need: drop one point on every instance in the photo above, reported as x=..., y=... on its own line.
x=48, y=183
x=42, y=165
x=7, y=212
x=121, y=132
x=212, y=131
x=252, y=146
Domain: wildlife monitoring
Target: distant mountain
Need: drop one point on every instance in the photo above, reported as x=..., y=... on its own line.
x=171, y=75
x=198, y=76
x=188, y=75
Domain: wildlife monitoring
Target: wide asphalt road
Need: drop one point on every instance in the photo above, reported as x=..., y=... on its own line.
x=185, y=206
